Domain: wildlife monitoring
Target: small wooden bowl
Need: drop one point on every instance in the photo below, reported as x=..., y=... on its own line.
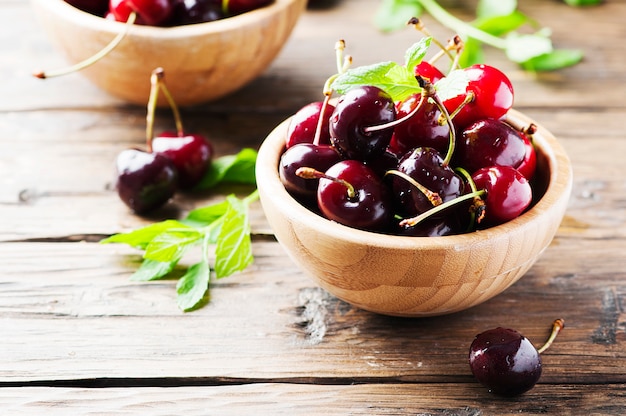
x=416, y=276
x=202, y=62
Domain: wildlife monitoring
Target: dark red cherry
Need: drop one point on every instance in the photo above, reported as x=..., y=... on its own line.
x=352, y=194
x=319, y=157
x=233, y=7
x=508, y=193
x=529, y=164
x=190, y=153
x=504, y=361
x=145, y=181
x=489, y=142
x=357, y=110
x=492, y=94
x=187, y=12
x=423, y=129
x=428, y=71
x=149, y=12
x=97, y=7
x=303, y=125
x=425, y=166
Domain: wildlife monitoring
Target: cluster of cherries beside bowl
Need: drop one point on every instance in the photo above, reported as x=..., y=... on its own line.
x=167, y=12
x=420, y=166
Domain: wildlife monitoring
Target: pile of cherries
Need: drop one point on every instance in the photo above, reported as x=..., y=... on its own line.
x=419, y=167
x=172, y=161
x=168, y=12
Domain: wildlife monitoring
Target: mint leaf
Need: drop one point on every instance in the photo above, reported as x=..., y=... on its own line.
x=206, y=215
x=237, y=168
x=152, y=270
x=392, y=15
x=501, y=25
x=557, y=59
x=472, y=53
x=521, y=48
x=233, y=252
x=192, y=287
x=141, y=237
x=416, y=53
x=171, y=244
x=452, y=85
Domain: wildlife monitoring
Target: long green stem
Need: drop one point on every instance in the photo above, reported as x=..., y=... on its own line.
x=459, y=26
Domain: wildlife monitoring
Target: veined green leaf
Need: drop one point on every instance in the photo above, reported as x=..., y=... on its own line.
x=501, y=25
x=206, y=215
x=152, y=270
x=557, y=59
x=171, y=244
x=233, y=251
x=521, y=48
x=192, y=287
x=141, y=237
x=237, y=168
x=416, y=53
x=454, y=84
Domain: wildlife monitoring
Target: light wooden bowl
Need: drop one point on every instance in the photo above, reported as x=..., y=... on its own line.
x=202, y=62
x=416, y=276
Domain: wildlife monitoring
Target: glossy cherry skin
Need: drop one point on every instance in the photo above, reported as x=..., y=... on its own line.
x=303, y=125
x=529, y=164
x=187, y=12
x=97, y=7
x=422, y=129
x=425, y=165
x=489, y=142
x=190, y=153
x=320, y=158
x=145, y=181
x=504, y=361
x=233, y=7
x=428, y=71
x=493, y=96
x=508, y=193
x=370, y=207
x=357, y=109
x=149, y=12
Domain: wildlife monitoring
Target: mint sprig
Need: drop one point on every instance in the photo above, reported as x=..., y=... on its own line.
x=497, y=25
x=221, y=230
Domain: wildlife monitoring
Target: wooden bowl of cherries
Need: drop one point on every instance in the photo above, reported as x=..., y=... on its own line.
x=208, y=48
x=413, y=192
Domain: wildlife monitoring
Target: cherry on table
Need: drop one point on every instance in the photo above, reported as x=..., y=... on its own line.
x=191, y=154
x=145, y=181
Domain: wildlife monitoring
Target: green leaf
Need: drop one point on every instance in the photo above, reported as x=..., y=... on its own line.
x=141, y=237
x=452, y=85
x=152, y=270
x=472, y=53
x=521, y=48
x=392, y=15
x=491, y=8
x=233, y=251
x=171, y=244
x=501, y=25
x=237, y=168
x=206, y=215
x=192, y=287
x=582, y=2
x=416, y=53
x=557, y=59
x=395, y=79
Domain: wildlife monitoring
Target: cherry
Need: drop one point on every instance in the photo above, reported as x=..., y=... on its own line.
x=353, y=122
x=490, y=142
x=304, y=124
x=145, y=181
x=489, y=94
x=234, y=7
x=427, y=70
x=190, y=153
x=186, y=12
x=149, y=12
x=423, y=129
x=508, y=193
x=97, y=7
x=318, y=157
x=506, y=362
x=422, y=181
x=351, y=193
x=529, y=164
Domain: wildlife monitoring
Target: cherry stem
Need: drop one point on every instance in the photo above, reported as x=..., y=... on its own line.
x=469, y=97
x=94, y=58
x=398, y=121
x=152, y=103
x=411, y=222
x=178, y=120
x=417, y=24
x=557, y=326
x=310, y=173
x=432, y=94
x=477, y=211
x=433, y=197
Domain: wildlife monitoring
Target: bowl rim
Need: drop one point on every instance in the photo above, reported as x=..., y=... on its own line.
x=556, y=196
x=233, y=23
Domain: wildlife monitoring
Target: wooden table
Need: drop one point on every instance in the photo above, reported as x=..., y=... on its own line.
x=78, y=337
